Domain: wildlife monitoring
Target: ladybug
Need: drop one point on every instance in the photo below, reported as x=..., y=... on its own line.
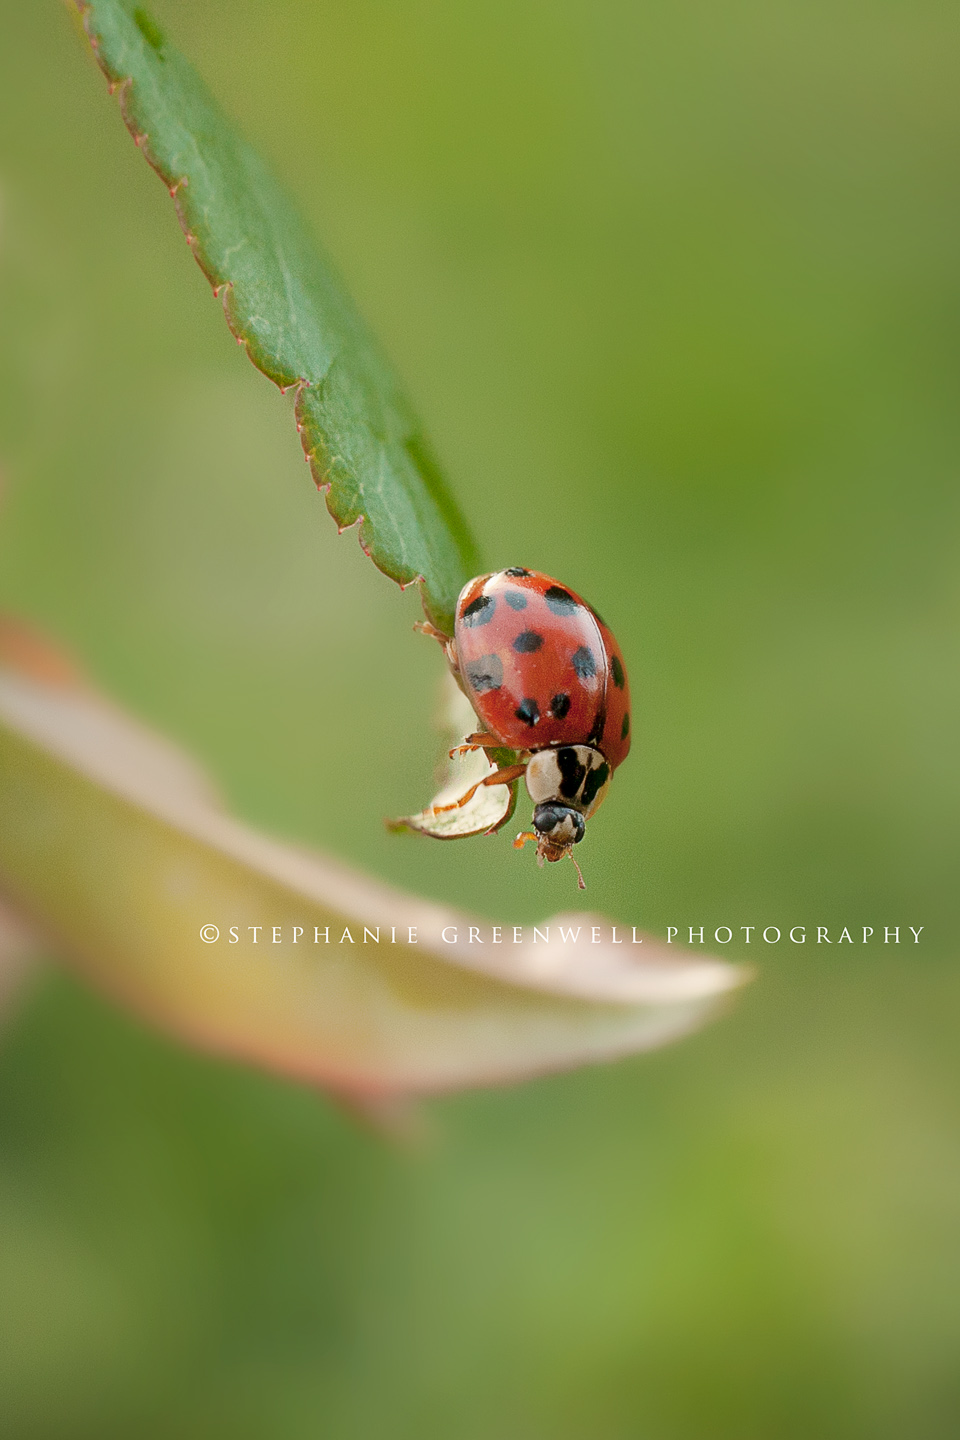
x=547, y=680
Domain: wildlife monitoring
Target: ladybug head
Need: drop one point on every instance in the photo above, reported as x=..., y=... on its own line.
x=566, y=783
x=556, y=829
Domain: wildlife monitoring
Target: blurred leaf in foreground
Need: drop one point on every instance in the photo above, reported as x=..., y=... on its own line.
x=114, y=846
x=284, y=302
x=18, y=947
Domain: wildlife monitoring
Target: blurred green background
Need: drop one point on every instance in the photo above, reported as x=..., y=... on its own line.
x=675, y=288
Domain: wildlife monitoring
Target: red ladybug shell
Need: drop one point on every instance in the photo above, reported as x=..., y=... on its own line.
x=539, y=665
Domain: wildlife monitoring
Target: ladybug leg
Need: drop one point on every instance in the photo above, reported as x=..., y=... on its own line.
x=506, y=776
x=425, y=628
x=446, y=645
x=481, y=740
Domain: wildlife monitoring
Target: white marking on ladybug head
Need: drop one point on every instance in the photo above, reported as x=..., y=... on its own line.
x=560, y=825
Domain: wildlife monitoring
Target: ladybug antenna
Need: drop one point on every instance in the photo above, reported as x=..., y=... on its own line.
x=582, y=884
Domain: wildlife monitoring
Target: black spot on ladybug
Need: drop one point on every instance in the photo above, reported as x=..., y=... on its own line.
x=485, y=674
x=528, y=711
x=616, y=669
x=516, y=599
x=625, y=727
x=584, y=663
x=527, y=642
x=571, y=772
x=595, y=782
x=479, y=611
x=561, y=602
x=559, y=706
x=516, y=573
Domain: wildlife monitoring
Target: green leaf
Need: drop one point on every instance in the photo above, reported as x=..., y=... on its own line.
x=283, y=300
x=114, y=847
